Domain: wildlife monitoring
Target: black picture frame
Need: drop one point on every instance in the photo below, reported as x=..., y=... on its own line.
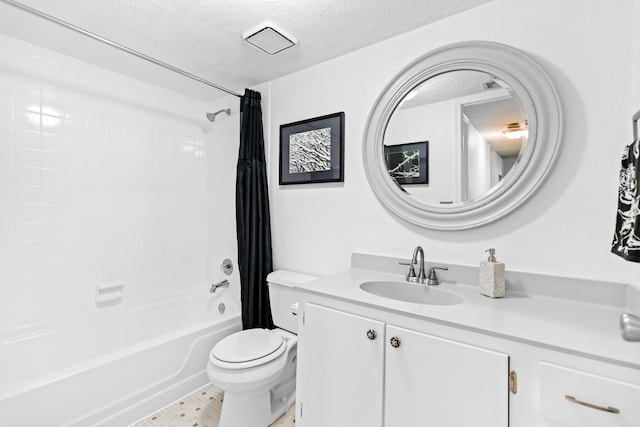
x=312, y=150
x=408, y=163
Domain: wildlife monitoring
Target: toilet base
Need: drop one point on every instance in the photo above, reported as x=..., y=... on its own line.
x=258, y=409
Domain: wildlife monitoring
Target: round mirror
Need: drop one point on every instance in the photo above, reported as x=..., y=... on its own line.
x=462, y=136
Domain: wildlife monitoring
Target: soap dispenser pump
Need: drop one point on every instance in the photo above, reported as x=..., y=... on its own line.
x=492, y=276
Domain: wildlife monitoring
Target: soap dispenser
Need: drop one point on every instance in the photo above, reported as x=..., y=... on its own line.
x=492, y=276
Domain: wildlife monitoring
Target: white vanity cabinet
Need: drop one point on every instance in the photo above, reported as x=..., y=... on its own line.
x=547, y=355
x=339, y=373
x=431, y=381
x=356, y=371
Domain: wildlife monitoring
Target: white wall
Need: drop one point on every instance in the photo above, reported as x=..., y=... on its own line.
x=565, y=229
x=104, y=178
x=636, y=49
x=480, y=164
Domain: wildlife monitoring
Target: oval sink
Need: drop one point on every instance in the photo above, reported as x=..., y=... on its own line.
x=411, y=292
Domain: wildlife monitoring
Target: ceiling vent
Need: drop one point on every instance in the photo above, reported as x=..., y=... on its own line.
x=269, y=38
x=490, y=85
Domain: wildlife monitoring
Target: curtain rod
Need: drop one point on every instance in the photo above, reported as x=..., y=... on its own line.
x=111, y=43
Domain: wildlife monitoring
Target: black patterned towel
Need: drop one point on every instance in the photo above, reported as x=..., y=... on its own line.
x=626, y=239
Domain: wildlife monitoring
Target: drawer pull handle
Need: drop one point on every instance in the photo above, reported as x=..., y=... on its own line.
x=591, y=405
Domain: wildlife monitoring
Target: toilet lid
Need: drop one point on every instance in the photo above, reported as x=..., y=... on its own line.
x=249, y=348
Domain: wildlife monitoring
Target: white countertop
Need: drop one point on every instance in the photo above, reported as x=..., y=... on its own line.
x=578, y=326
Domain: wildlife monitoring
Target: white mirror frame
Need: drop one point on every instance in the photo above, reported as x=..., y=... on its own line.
x=539, y=97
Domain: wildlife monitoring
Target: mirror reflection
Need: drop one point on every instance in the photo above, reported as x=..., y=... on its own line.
x=455, y=137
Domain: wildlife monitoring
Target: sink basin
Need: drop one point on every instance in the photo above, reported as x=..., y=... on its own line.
x=411, y=292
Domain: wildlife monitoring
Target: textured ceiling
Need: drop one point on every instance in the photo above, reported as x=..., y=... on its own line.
x=204, y=38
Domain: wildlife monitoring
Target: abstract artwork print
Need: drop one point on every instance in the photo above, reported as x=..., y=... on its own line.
x=310, y=151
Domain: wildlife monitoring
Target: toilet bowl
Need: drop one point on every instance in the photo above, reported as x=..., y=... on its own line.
x=256, y=367
x=248, y=365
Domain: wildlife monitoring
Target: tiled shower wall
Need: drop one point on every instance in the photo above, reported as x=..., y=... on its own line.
x=102, y=178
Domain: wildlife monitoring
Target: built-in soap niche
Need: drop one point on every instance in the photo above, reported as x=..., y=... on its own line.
x=109, y=293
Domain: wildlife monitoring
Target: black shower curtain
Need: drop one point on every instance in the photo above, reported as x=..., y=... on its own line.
x=253, y=224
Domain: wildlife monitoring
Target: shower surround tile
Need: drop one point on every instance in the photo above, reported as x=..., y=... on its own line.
x=102, y=177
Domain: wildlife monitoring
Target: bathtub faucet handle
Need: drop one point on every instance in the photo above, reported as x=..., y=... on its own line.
x=215, y=286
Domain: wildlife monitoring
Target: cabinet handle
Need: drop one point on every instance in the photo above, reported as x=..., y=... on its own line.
x=395, y=342
x=371, y=334
x=591, y=405
x=513, y=382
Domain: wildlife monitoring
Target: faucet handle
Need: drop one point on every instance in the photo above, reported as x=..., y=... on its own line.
x=411, y=275
x=215, y=286
x=432, y=279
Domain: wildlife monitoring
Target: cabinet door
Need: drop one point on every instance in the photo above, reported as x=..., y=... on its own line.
x=432, y=381
x=339, y=369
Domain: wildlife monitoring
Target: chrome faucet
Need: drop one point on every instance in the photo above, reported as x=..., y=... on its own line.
x=421, y=277
x=216, y=286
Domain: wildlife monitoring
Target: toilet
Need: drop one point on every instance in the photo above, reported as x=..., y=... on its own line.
x=256, y=368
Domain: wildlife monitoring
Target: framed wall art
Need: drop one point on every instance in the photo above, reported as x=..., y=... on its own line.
x=312, y=150
x=408, y=163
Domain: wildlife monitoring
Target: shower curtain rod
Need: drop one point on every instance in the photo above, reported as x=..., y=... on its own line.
x=111, y=43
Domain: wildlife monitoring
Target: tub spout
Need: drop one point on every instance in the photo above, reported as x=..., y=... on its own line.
x=215, y=286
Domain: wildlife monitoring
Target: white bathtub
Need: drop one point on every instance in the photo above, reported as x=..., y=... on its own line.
x=112, y=367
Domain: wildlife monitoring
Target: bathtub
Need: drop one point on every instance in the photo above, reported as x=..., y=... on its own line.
x=114, y=366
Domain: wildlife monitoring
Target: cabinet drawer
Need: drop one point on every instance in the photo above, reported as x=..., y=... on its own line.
x=600, y=397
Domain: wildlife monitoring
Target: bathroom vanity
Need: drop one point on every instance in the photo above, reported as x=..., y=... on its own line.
x=376, y=350
x=547, y=354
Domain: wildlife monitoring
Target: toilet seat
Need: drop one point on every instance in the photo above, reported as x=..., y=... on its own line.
x=246, y=349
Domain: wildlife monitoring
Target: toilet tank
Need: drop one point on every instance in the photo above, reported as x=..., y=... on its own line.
x=282, y=296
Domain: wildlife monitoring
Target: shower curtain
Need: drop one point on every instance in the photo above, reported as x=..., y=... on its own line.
x=253, y=224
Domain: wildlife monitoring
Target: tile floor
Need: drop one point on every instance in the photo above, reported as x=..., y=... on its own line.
x=200, y=409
